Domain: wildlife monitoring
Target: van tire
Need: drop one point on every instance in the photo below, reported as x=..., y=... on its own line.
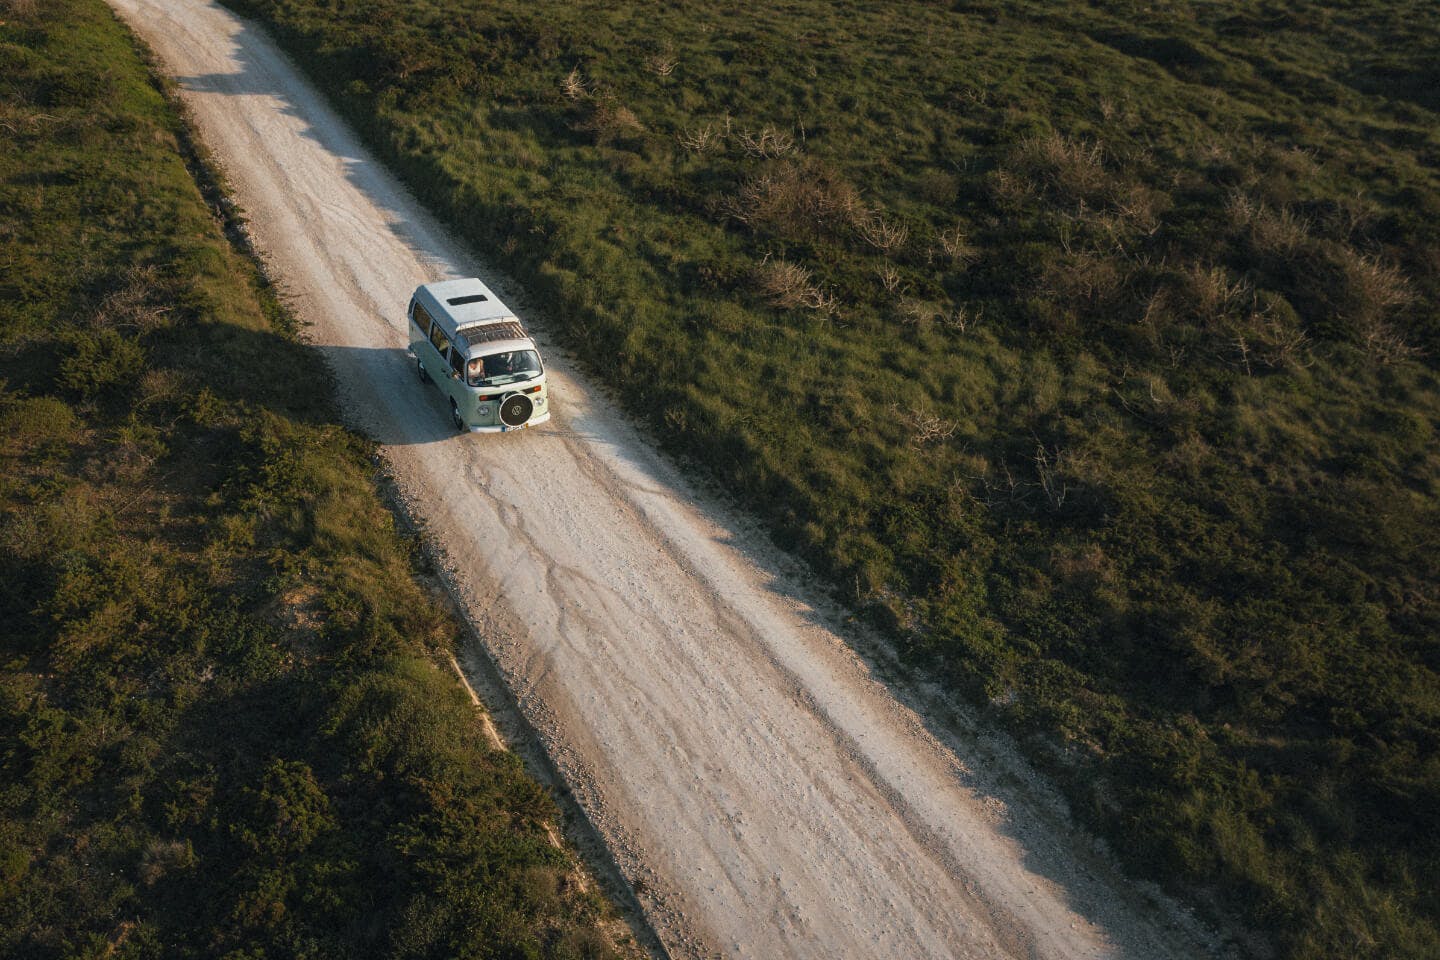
x=420, y=370
x=455, y=417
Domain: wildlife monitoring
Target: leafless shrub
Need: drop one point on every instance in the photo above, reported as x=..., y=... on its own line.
x=1086, y=276
x=769, y=142
x=955, y=246
x=18, y=113
x=662, y=64
x=1073, y=167
x=1376, y=286
x=1241, y=345
x=796, y=199
x=1279, y=233
x=914, y=313
x=1136, y=207
x=574, y=86
x=788, y=285
x=161, y=386
x=1051, y=466
x=961, y=319
x=1008, y=187
x=1352, y=217
x=611, y=120
x=1213, y=152
x=925, y=427
x=882, y=234
x=1241, y=209
x=889, y=277
x=1214, y=294
x=1281, y=346
x=136, y=303
x=701, y=139
x=1386, y=344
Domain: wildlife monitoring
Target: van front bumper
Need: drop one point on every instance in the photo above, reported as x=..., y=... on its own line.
x=501, y=428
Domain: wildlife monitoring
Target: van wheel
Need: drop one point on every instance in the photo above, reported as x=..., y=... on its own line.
x=455, y=417
x=420, y=369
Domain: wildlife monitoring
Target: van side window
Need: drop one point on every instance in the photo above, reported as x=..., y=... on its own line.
x=457, y=362
x=421, y=316
x=437, y=337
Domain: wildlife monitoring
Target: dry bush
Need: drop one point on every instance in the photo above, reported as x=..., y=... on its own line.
x=882, y=234
x=574, y=87
x=1373, y=292
x=1075, y=168
x=701, y=139
x=611, y=121
x=1276, y=233
x=662, y=64
x=1214, y=295
x=1058, y=473
x=914, y=313
x=1277, y=344
x=1280, y=232
x=925, y=427
x=889, y=278
x=1352, y=217
x=1009, y=188
x=1136, y=208
x=768, y=143
x=788, y=285
x=961, y=319
x=137, y=303
x=1387, y=345
x=1374, y=286
x=1087, y=276
x=794, y=199
x=954, y=246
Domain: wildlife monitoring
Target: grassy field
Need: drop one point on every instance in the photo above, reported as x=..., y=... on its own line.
x=1088, y=348
x=223, y=730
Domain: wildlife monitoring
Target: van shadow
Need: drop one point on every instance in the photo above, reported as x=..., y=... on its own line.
x=380, y=393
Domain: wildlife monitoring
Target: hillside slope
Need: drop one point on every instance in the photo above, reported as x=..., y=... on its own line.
x=1089, y=349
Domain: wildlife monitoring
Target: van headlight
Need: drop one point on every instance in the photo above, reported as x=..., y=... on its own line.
x=540, y=401
x=483, y=410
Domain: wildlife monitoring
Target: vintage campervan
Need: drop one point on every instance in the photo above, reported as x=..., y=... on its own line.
x=474, y=349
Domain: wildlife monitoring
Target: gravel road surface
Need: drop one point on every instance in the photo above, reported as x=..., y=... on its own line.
x=761, y=786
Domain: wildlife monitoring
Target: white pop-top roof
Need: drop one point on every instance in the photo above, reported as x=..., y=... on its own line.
x=462, y=303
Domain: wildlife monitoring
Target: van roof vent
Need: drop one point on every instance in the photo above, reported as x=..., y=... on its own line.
x=472, y=298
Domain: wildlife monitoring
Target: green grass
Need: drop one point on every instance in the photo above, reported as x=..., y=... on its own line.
x=223, y=730
x=1088, y=348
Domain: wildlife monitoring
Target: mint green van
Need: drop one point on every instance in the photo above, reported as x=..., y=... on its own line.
x=474, y=349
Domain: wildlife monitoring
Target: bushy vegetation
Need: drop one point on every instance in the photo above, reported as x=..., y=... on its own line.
x=223, y=732
x=1089, y=348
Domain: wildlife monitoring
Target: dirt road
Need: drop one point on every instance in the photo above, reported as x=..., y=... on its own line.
x=761, y=789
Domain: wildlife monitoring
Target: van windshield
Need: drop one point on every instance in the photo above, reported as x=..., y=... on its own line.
x=501, y=368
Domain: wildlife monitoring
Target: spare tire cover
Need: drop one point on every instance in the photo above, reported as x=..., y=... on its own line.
x=516, y=409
